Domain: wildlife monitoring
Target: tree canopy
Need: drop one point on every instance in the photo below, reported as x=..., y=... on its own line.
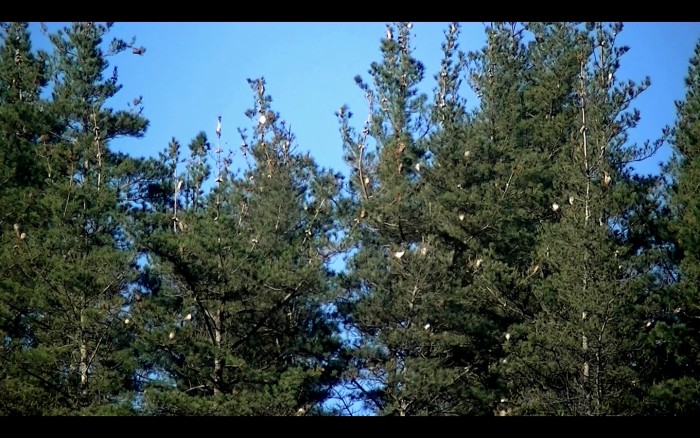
x=502, y=258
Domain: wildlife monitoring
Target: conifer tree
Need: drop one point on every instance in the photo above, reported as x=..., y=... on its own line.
x=488, y=190
x=675, y=389
x=502, y=260
x=415, y=351
x=581, y=353
x=384, y=283
x=479, y=208
x=22, y=121
x=76, y=261
x=232, y=318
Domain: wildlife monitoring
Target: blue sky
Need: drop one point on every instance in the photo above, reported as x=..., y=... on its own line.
x=193, y=72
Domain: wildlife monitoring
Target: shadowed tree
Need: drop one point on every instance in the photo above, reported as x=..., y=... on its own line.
x=483, y=203
x=488, y=188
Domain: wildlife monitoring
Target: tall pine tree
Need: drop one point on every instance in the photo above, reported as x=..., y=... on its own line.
x=418, y=346
x=233, y=314
x=76, y=261
x=581, y=353
x=677, y=349
x=23, y=121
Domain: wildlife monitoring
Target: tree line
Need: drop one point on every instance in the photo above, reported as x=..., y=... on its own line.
x=505, y=259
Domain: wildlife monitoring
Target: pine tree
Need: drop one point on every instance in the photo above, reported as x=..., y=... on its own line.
x=484, y=205
x=76, y=261
x=501, y=260
x=477, y=207
x=581, y=353
x=23, y=77
x=489, y=185
x=232, y=319
x=406, y=323
x=675, y=388
x=22, y=121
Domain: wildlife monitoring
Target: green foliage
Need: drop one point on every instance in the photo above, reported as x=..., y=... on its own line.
x=678, y=344
x=235, y=323
x=394, y=280
x=71, y=262
x=580, y=353
x=22, y=77
x=500, y=260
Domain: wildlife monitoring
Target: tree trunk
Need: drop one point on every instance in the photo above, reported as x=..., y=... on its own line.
x=83, y=367
x=218, y=360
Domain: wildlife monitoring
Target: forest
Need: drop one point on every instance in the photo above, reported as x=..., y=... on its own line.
x=500, y=260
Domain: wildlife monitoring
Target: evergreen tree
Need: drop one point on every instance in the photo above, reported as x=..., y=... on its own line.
x=676, y=347
x=581, y=353
x=385, y=282
x=488, y=187
x=76, y=261
x=232, y=318
x=500, y=260
x=22, y=122
x=417, y=342
x=478, y=206
x=481, y=209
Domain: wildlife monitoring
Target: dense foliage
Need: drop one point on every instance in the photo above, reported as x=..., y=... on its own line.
x=501, y=257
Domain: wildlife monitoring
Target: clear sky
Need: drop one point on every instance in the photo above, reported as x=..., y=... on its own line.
x=193, y=72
